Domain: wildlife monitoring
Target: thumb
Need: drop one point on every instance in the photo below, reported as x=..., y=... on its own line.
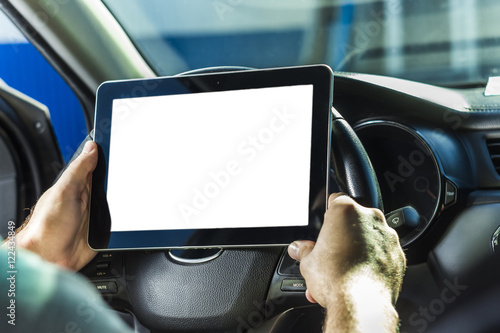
x=298, y=250
x=78, y=171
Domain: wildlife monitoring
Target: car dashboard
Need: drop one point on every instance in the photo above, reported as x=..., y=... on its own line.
x=434, y=150
x=437, y=150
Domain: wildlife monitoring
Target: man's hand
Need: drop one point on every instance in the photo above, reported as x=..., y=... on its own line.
x=57, y=228
x=355, y=269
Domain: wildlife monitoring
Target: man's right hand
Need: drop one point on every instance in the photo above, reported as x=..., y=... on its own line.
x=355, y=269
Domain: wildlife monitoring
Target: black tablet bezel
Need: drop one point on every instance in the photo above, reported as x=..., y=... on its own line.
x=320, y=76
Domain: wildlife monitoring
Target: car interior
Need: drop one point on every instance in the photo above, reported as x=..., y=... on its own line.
x=416, y=87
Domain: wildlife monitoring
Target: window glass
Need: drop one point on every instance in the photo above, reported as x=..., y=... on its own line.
x=23, y=68
x=446, y=42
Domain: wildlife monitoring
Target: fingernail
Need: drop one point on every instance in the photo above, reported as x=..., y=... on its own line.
x=89, y=147
x=293, y=250
x=334, y=196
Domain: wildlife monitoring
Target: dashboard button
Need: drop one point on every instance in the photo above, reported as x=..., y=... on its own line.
x=450, y=193
x=106, y=287
x=293, y=285
x=103, y=265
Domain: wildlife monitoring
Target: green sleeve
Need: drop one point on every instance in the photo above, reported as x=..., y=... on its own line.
x=37, y=296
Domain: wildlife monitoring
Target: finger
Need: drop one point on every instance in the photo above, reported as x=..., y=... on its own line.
x=309, y=297
x=300, y=249
x=334, y=196
x=79, y=170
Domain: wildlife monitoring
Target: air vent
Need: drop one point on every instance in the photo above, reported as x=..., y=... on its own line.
x=494, y=149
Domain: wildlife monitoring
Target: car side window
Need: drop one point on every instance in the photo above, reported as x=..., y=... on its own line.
x=23, y=68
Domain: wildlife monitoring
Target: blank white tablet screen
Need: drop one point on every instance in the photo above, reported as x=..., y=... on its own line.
x=231, y=159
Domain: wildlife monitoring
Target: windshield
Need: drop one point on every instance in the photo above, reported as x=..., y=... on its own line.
x=445, y=42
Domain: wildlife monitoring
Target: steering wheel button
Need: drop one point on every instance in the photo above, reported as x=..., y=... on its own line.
x=289, y=266
x=293, y=285
x=450, y=193
x=106, y=287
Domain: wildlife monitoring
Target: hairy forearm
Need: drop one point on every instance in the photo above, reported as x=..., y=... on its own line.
x=363, y=304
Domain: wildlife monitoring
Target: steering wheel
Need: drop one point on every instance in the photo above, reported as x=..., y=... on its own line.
x=234, y=290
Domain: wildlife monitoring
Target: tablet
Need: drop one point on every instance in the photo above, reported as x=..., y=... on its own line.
x=211, y=160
